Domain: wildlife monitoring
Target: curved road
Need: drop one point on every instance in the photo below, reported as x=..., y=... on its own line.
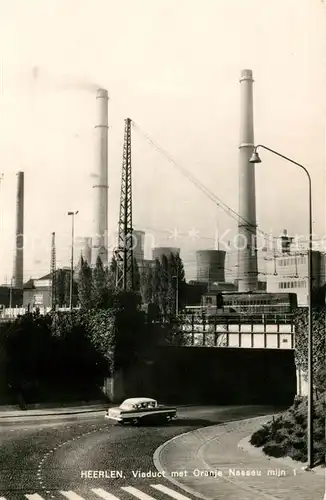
x=65, y=457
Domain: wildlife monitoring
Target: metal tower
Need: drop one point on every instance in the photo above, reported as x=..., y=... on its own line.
x=124, y=252
x=53, y=273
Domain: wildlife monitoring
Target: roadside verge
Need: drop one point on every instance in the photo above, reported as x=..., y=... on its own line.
x=209, y=463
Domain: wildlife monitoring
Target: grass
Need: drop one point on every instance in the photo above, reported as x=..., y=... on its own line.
x=286, y=435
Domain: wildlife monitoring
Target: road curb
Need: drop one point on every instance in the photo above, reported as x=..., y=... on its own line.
x=158, y=466
x=158, y=451
x=246, y=446
x=24, y=413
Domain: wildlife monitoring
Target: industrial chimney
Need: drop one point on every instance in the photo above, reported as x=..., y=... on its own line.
x=247, y=251
x=101, y=173
x=18, y=270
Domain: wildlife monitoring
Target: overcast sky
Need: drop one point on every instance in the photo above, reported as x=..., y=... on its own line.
x=173, y=66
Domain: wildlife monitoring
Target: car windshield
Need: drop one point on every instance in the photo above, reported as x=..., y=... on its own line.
x=138, y=405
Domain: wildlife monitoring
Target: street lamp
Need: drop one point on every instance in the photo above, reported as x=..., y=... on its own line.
x=176, y=294
x=72, y=255
x=256, y=159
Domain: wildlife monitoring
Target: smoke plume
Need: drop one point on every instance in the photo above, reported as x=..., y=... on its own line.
x=46, y=79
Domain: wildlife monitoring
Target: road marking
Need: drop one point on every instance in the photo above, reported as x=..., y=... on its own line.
x=168, y=491
x=71, y=495
x=35, y=496
x=137, y=493
x=103, y=494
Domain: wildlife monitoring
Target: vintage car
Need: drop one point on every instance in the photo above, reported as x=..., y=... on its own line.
x=141, y=410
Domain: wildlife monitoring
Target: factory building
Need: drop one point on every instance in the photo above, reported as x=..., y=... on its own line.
x=288, y=271
x=289, y=274
x=37, y=292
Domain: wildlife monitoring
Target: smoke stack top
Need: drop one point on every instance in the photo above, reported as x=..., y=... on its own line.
x=102, y=94
x=246, y=74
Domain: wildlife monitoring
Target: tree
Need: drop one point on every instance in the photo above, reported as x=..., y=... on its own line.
x=182, y=286
x=146, y=284
x=62, y=284
x=159, y=284
x=319, y=344
x=111, y=274
x=85, y=285
x=60, y=287
x=99, y=294
x=118, y=333
x=156, y=282
x=136, y=277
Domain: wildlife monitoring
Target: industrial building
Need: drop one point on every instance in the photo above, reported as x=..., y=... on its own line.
x=288, y=271
x=37, y=293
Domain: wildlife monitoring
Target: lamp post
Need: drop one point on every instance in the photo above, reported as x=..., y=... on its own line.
x=256, y=159
x=72, y=255
x=10, y=295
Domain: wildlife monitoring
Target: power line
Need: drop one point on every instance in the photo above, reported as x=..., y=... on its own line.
x=198, y=183
x=212, y=196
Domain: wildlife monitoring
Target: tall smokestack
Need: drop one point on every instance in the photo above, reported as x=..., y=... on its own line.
x=18, y=270
x=101, y=173
x=247, y=253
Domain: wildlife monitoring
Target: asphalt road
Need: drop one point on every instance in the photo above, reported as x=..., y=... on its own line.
x=56, y=457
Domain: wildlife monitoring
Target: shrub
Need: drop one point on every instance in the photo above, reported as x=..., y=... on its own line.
x=260, y=437
x=275, y=449
x=287, y=435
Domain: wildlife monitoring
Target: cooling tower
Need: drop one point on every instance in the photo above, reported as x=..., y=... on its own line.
x=101, y=174
x=138, y=245
x=160, y=251
x=210, y=266
x=18, y=270
x=246, y=242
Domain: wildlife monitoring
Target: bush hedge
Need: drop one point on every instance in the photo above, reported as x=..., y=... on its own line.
x=286, y=435
x=67, y=352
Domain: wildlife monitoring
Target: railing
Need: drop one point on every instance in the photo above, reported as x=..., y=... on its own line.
x=11, y=313
x=255, y=340
x=265, y=331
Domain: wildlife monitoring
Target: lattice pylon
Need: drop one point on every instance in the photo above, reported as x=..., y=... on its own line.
x=124, y=251
x=53, y=273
